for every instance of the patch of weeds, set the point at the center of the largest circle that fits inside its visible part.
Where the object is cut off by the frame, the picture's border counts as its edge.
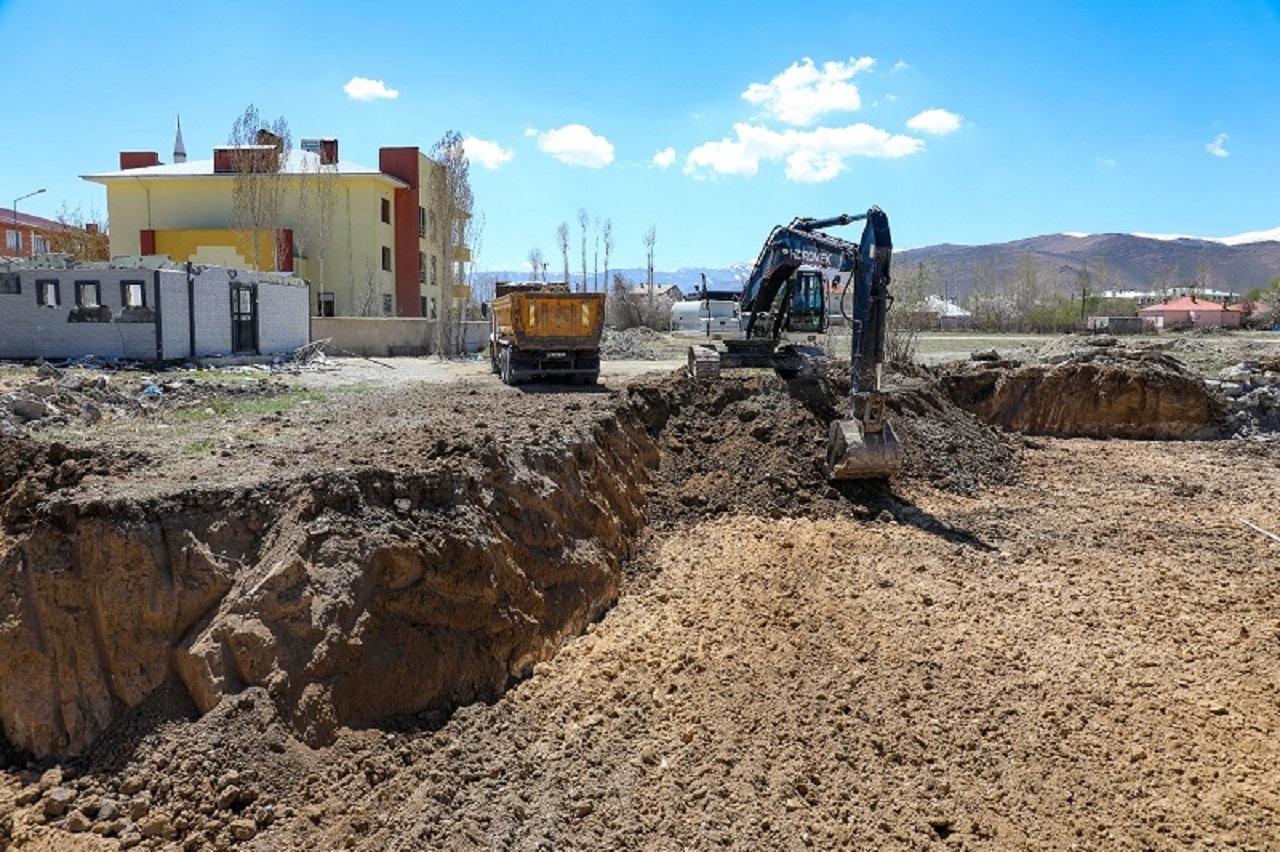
(199, 448)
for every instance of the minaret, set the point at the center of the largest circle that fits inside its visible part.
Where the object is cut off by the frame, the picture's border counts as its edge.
(179, 150)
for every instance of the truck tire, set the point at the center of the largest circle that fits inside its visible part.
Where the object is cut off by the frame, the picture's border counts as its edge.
(504, 361)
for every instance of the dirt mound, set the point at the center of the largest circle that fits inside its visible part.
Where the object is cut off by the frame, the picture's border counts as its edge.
(753, 442)
(1093, 393)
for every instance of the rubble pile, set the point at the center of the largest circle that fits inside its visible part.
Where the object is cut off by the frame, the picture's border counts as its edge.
(1252, 391)
(84, 395)
(633, 344)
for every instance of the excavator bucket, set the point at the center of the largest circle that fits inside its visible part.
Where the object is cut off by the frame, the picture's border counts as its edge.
(864, 446)
(854, 453)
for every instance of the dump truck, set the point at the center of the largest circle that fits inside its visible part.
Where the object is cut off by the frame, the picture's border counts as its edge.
(544, 330)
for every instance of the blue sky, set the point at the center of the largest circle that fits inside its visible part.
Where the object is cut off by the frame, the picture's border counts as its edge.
(967, 122)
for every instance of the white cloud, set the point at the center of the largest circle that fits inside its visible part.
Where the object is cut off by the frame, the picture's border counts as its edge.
(664, 158)
(1106, 161)
(364, 89)
(803, 92)
(811, 156)
(576, 145)
(937, 122)
(900, 65)
(1216, 146)
(490, 155)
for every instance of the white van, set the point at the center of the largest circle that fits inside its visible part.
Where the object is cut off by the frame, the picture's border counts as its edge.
(704, 318)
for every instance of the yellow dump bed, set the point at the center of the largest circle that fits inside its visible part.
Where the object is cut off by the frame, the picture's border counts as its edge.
(549, 319)
(544, 330)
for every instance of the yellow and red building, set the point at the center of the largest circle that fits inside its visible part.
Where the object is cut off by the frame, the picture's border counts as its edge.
(358, 234)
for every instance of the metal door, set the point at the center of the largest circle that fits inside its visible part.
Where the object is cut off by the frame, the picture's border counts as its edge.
(244, 318)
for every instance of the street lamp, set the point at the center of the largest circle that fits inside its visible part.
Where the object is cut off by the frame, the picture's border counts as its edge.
(15, 217)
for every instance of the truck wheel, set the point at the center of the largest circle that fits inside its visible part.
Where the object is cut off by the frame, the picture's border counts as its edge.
(493, 357)
(504, 359)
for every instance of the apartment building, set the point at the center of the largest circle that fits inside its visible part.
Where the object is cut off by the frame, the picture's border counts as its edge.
(361, 236)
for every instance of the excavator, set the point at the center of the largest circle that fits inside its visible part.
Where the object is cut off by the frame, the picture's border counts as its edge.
(787, 293)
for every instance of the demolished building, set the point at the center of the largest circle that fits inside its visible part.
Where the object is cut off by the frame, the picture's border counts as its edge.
(147, 309)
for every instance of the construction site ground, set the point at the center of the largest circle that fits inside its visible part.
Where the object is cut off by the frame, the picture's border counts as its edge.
(1021, 642)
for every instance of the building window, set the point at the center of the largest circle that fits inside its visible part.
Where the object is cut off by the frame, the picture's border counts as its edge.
(47, 294)
(133, 294)
(386, 304)
(422, 268)
(386, 259)
(434, 277)
(422, 222)
(40, 245)
(325, 306)
(422, 307)
(10, 284)
(13, 240)
(88, 294)
(433, 307)
(386, 210)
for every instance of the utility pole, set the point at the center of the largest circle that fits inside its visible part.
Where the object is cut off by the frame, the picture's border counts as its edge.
(15, 220)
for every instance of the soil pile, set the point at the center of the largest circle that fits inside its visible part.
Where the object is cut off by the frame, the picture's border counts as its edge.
(752, 442)
(1095, 393)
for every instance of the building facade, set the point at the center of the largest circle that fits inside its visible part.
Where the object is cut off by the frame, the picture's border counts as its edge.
(25, 235)
(359, 235)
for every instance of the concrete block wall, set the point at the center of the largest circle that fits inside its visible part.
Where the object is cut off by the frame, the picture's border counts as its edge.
(30, 330)
(284, 322)
(383, 337)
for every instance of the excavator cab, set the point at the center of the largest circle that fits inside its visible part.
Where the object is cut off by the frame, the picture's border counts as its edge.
(808, 314)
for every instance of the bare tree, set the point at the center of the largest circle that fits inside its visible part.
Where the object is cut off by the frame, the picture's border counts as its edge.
(259, 153)
(650, 237)
(562, 240)
(595, 261)
(536, 263)
(317, 199)
(608, 246)
(85, 238)
(1203, 282)
(452, 200)
(583, 220)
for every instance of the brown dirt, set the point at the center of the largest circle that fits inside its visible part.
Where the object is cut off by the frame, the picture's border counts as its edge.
(1021, 642)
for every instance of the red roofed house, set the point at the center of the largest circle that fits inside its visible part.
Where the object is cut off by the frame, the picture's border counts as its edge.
(1249, 308)
(24, 234)
(1190, 311)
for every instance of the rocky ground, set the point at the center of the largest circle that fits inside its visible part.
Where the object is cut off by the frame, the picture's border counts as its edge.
(1022, 641)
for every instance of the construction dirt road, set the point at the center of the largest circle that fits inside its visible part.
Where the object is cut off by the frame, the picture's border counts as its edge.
(447, 613)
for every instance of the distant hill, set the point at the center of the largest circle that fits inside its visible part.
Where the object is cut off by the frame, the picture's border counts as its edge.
(1111, 261)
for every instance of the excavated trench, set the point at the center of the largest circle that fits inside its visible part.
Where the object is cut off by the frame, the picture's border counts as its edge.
(353, 595)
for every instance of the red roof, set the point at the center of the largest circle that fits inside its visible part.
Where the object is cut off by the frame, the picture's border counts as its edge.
(1187, 303)
(26, 220)
(1251, 307)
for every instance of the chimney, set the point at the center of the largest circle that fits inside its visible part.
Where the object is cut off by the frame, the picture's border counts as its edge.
(138, 159)
(326, 149)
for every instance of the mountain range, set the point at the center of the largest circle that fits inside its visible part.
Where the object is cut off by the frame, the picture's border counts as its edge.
(1063, 263)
